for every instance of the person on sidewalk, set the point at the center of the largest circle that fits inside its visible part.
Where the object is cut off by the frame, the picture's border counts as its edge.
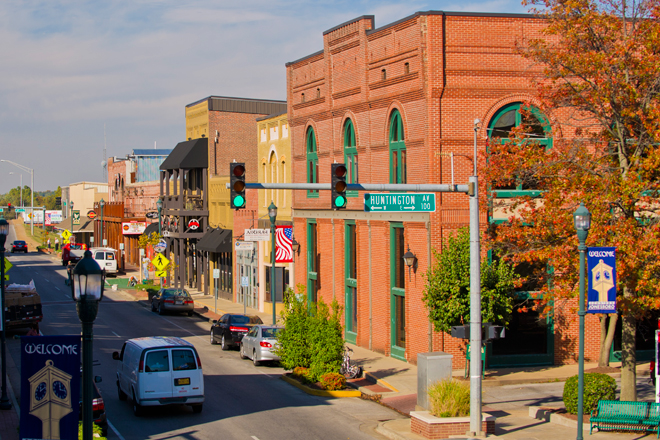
(57, 245)
(48, 243)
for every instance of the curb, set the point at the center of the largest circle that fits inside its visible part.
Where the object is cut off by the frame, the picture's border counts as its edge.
(321, 393)
(371, 378)
(539, 413)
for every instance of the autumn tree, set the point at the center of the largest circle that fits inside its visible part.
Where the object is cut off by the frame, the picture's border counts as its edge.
(600, 82)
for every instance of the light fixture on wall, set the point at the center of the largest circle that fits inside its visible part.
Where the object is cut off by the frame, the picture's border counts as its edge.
(409, 259)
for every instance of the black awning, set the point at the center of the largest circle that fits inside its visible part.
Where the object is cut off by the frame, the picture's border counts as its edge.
(153, 227)
(188, 155)
(216, 240)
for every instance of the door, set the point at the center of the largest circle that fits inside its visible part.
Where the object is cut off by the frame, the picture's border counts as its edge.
(156, 380)
(351, 290)
(186, 377)
(397, 292)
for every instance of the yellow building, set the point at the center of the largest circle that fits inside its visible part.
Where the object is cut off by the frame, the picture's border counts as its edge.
(274, 152)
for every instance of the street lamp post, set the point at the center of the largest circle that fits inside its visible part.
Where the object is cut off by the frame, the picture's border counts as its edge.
(102, 204)
(582, 221)
(4, 230)
(87, 290)
(272, 213)
(31, 171)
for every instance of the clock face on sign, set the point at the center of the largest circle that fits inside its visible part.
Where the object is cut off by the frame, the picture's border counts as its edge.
(59, 389)
(40, 392)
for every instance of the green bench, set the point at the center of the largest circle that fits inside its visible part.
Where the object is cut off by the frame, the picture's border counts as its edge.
(613, 415)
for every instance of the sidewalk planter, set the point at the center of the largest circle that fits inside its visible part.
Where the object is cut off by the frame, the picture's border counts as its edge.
(322, 393)
(429, 426)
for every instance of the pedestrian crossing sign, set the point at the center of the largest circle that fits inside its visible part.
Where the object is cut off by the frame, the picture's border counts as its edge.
(160, 262)
(66, 234)
(161, 274)
(8, 265)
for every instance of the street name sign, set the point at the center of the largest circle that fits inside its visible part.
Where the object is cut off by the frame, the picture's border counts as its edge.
(257, 235)
(160, 262)
(404, 202)
(20, 210)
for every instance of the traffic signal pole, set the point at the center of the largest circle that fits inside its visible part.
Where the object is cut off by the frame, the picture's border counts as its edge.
(408, 187)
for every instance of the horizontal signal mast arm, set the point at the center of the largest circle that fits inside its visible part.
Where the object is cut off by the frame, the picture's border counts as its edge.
(363, 187)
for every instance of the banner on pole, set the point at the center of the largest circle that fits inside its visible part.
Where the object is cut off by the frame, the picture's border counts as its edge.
(601, 294)
(284, 244)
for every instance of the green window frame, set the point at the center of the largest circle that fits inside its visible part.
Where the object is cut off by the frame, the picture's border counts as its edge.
(500, 126)
(312, 261)
(350, 281)
(350, 156)
(397, 292)
(312, 162)
(397, 149)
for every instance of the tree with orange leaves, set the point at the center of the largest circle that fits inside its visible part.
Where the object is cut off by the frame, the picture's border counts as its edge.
(600, 82)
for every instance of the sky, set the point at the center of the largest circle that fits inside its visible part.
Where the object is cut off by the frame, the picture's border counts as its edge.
(80, 76)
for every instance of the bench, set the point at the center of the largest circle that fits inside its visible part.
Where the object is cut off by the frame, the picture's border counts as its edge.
(614, 415)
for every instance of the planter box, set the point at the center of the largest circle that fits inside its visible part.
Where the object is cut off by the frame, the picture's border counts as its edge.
(428, 426)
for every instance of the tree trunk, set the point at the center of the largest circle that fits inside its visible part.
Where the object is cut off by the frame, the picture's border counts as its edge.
(628, 356)
(606, 338)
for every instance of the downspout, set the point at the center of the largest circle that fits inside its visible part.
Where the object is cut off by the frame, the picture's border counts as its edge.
(333, 258)
(428, 268)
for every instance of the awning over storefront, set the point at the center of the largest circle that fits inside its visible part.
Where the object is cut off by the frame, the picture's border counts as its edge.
(188, 155)
(86, 225)
(151, 228)
(216, 240)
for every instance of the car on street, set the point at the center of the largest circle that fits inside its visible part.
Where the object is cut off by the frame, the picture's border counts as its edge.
(172, 300)
(98, 406)
(259, 342)
(19, 246)
(230, 329)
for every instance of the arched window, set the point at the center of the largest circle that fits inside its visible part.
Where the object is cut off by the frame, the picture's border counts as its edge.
(397, 149)
(537, 131)
(312, 162)
(274, 177)
(350, 156)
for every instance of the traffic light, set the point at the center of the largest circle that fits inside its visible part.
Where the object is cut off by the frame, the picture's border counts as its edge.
(339, 186)
(58, 201)
(237, 184)
(9, 206)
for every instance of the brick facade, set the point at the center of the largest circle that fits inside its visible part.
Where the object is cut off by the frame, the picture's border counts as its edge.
(440, 71)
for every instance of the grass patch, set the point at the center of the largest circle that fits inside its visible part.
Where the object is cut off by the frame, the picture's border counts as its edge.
(450, 398)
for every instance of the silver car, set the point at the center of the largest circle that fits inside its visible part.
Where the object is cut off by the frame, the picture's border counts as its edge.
(172, 300)
(259, 343)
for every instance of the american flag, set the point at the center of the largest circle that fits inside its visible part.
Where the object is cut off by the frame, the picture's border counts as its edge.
(283, 244)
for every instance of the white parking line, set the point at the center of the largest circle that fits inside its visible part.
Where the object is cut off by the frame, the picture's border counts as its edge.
(56, 287)
(116, 334)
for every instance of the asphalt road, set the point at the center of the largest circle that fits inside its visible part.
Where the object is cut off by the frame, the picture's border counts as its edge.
(242, 401)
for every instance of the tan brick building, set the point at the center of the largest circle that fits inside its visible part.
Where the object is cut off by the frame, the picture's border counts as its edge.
(397, 105)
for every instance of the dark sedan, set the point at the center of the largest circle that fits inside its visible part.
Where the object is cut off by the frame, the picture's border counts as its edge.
(19, 246)
(172, 300)
(230, 329)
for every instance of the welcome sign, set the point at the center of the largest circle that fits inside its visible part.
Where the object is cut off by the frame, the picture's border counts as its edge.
(50, 387)
(601, 296)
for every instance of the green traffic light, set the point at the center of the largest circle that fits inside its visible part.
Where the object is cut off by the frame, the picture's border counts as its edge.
(239, 201)
(340, 202)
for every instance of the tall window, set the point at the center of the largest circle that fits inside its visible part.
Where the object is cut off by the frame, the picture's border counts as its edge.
(537, 130)
(397, 149)
(351, 290)
(397, 291)
(350, 156)
(274, 178)
(312, 162)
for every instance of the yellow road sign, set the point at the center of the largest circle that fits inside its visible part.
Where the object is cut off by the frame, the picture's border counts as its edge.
(8, 265)
(6, 277)
(161, 273)
(66, 234)
(160, 262)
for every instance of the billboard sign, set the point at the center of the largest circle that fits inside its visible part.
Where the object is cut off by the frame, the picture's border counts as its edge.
(601, 293)
(133, 228)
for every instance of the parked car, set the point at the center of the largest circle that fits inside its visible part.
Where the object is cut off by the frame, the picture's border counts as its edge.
(259, 342)
(107, 259)
(160, 370)
(172, 300)
(98, 406)
(19, 246)
(230, 329)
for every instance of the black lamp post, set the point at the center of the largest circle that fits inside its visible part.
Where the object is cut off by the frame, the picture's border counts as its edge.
(272, 213)
(87, 289)
(159, 204)
(582, 221)
(102, 204)
(4, 230)
(409, 259)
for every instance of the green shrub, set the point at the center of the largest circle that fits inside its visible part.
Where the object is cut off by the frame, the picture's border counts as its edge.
(333, 381)
(326, 340)
(292, 342)
(450, 398)
(302, 373)
(597, 386)
(96, 429)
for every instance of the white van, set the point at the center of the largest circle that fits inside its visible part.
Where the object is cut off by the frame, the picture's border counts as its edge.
(106, 257)
(160, 370)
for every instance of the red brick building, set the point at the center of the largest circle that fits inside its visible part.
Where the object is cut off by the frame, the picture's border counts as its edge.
(397, 104)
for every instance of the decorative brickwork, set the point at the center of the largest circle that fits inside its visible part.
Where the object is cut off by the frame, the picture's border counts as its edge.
(424, 424)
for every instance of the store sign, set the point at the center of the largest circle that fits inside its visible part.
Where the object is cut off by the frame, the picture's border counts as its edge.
(601, 295)
(257, 235)
(152, 215)
(91, 215)
(133, 228)
(244, 246)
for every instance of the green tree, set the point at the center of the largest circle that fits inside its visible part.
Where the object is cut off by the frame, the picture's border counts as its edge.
(447, 290)
(600, 82)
